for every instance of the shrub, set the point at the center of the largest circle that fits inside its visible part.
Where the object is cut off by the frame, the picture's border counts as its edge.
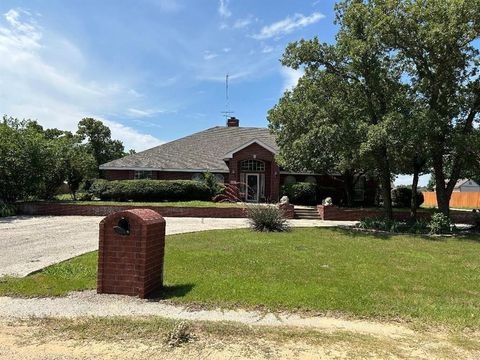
(97, 187)
(216, 187)
(150, 190)
(84, 196)
(6, 209)
(439, 224)
(266, 218)
(402, 197)
(301, 193)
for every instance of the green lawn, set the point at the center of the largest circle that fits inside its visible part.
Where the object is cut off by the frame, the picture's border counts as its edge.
(67, 199)
(429, 280)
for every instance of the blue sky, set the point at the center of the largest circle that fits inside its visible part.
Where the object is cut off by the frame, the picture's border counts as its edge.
(153, 70)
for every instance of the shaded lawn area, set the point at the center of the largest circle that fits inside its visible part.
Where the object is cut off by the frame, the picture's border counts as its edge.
(327, 270)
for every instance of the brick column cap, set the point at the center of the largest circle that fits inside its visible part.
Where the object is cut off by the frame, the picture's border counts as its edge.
(144, 216)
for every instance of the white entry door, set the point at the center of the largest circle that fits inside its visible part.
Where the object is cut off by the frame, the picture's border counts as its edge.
(253, 186)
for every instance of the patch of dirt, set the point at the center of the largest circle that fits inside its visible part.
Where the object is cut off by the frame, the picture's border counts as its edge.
(32, 340)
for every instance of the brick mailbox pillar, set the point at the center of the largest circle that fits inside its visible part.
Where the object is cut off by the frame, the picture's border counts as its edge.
(131, 253)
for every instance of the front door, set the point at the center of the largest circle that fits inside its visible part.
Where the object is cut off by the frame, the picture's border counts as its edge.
(252, 187)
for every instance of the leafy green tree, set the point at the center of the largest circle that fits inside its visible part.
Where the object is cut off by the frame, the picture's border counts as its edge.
(360, 62)
(409, 148)
(434, 42)
(23, 154)
(79, 165)
(315, 130)
(99, 141)
(34, 162)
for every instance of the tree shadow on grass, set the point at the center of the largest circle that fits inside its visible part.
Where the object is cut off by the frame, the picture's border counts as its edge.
(170, 291)
(350, 232)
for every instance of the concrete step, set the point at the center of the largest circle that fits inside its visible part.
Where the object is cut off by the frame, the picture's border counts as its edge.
(307, 213)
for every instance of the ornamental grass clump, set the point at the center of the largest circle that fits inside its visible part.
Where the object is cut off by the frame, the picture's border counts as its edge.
(267, 218)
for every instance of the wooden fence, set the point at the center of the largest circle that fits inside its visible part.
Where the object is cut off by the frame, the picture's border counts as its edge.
(458, 199)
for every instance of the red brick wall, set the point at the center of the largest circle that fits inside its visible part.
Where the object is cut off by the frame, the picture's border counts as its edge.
(272, 173)
(131, 264)
(103, 210)
(288, 210)
(355, 214)
(118, 174)
(158, 175)
(59, 209)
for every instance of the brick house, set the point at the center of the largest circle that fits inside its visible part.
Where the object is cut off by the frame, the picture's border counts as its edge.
(243, 158)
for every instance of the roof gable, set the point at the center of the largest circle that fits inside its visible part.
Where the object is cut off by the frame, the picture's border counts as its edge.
(230, 153)
(462, 182)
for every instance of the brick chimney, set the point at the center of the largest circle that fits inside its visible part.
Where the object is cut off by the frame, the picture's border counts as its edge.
(233, 122)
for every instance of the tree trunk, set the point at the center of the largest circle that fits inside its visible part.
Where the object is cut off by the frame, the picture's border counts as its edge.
(386, 194)
(443, 198)
(413, 202)
(348, 187)
(385, 182)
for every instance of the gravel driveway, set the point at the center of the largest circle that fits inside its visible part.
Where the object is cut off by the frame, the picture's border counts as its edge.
(30, 243)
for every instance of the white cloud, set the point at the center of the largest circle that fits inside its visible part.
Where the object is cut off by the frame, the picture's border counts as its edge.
(169, 5)
(267, 49)
(223, 9)
(143, 112)
(290, 77)
(33, 86)
(243, 23)
(131, 138)
(207, 55)
(288, 25)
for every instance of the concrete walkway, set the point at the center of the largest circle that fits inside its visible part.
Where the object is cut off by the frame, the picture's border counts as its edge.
(30, 243)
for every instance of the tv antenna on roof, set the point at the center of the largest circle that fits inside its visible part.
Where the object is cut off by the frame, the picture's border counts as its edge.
(227, 111)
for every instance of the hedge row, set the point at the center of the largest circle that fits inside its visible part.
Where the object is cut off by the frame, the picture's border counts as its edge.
(301, 193)
(150, 190)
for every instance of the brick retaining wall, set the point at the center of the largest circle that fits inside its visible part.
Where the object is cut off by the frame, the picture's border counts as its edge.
(357, 214)
(104, 210)
(36, 208)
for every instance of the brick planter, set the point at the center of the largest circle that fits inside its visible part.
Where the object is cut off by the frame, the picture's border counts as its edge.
(45, 208)
(288, 210)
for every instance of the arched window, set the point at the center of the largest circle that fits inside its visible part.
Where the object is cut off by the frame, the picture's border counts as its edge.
(311, 179)
(197, 177)
(220, 178)
(252, 165)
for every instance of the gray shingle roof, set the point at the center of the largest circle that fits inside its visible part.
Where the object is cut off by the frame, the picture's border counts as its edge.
(204, 150)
